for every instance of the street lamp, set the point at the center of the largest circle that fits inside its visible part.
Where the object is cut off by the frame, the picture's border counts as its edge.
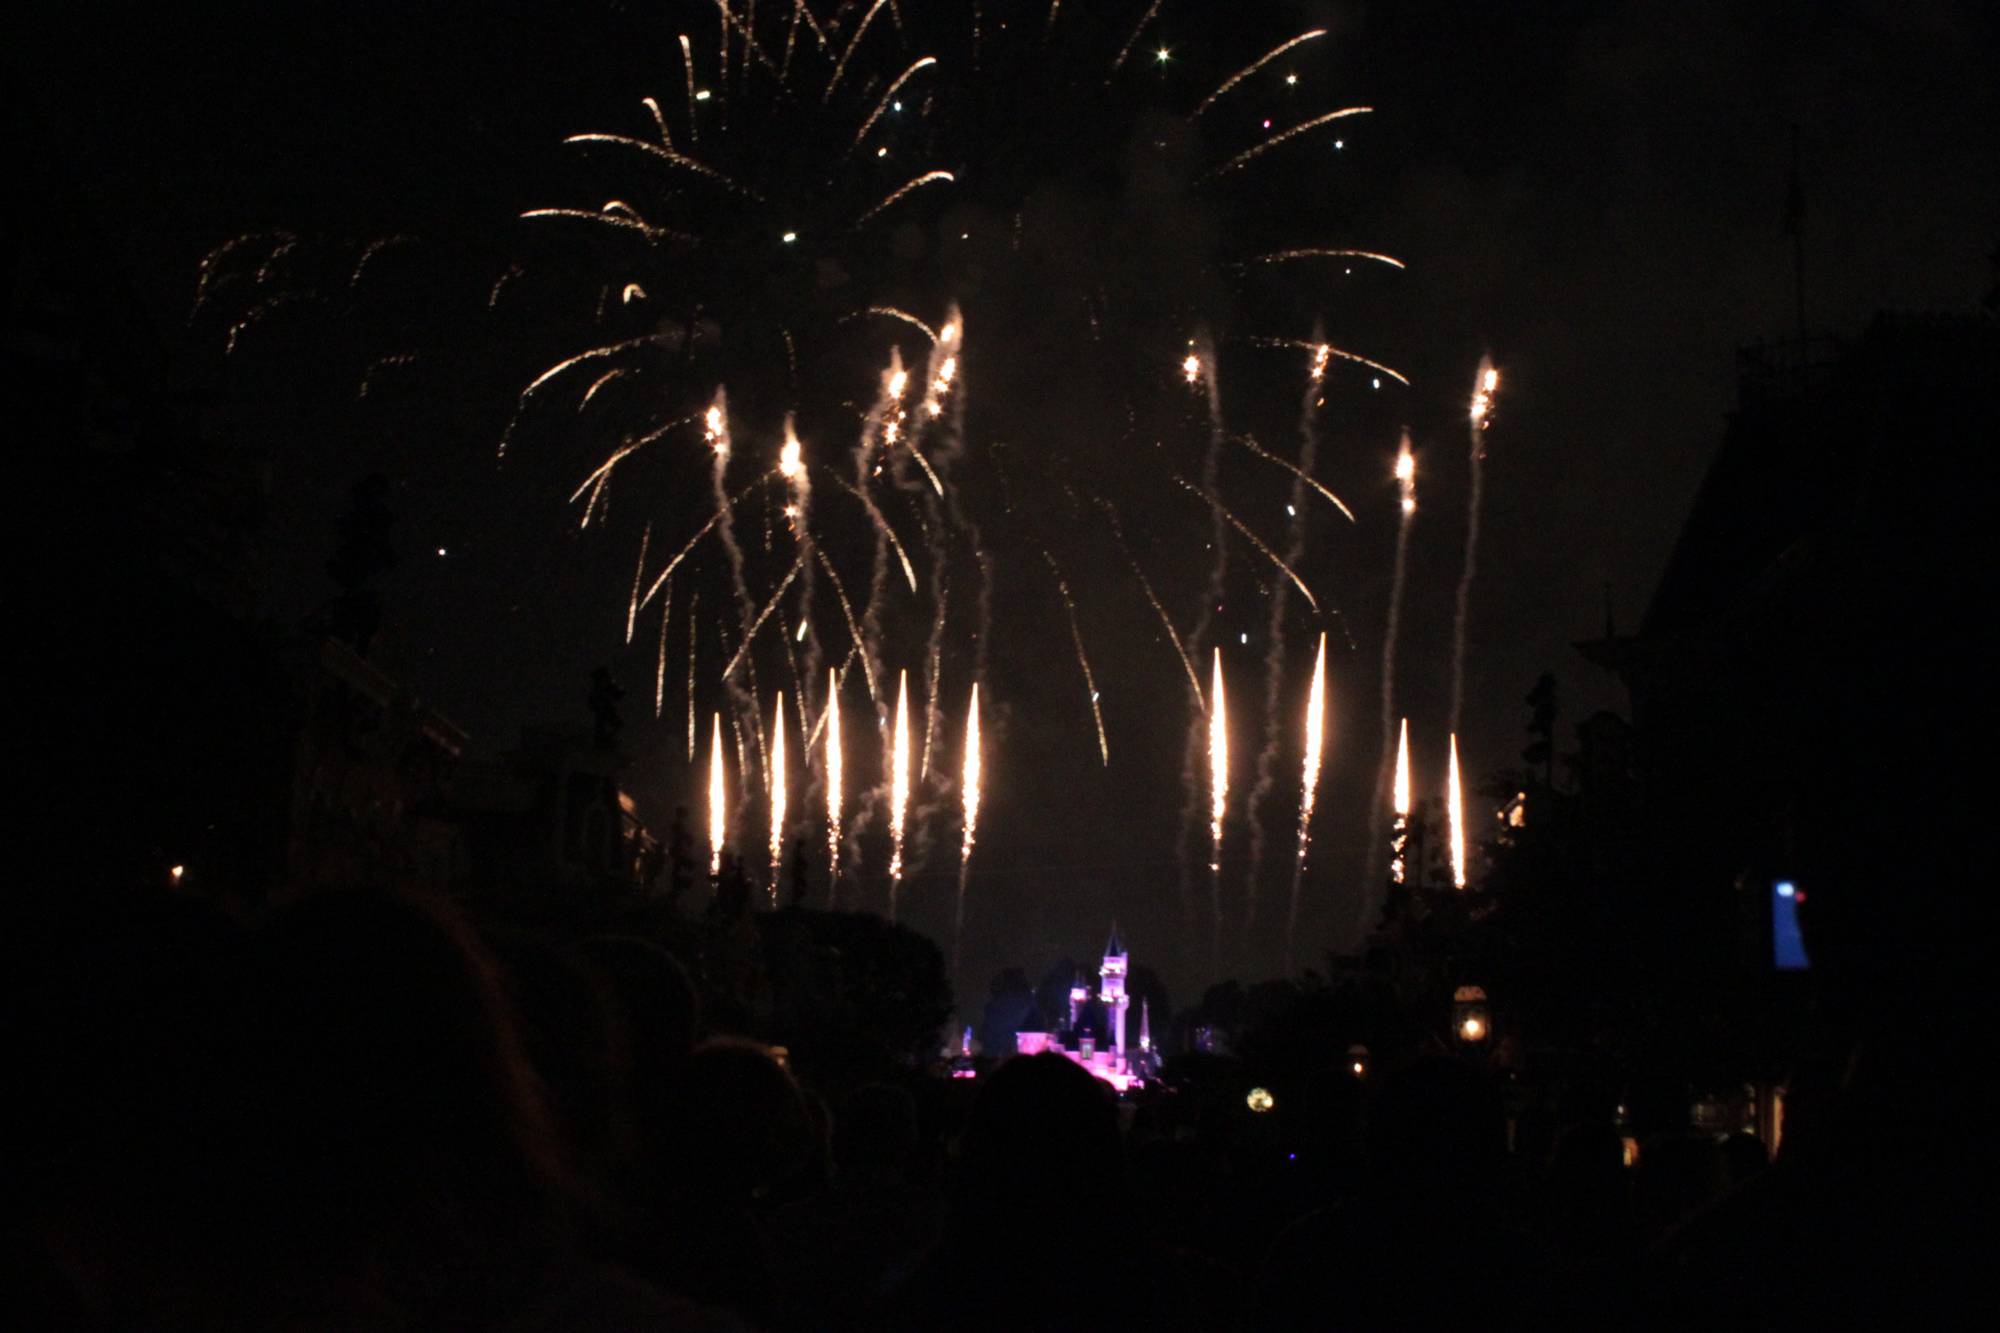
(1470, 1019)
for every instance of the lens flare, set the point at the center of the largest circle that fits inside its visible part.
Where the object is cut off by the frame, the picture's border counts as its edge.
(1455, 812)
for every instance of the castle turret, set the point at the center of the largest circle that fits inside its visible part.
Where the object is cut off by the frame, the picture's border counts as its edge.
(1111, 989)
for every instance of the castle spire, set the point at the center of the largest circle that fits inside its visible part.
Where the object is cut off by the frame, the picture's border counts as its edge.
(1115, 946)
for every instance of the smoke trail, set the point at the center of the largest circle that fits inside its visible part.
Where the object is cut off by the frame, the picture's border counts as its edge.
(1274, 652)
(660, 677)
(1406, 481)
(694, 635)
(742, 696)
(1482, 407)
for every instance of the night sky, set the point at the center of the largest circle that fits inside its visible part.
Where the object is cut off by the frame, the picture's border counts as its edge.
(1593, 194)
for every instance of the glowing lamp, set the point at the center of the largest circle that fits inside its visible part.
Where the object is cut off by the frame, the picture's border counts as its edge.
(1260, 1100)
(1470, 1019)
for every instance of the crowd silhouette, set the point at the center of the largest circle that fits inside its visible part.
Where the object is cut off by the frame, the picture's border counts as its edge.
(360, 1113)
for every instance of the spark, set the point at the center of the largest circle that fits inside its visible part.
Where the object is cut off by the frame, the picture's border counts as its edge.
(1252, 538)
(718, 826)
(1406, 482)
(1455, 812)
(758, 622)
(694, 627)
(1218, 767)
(1483, 390)
(1315, 252)
(632, 608)
(660, 677)
(671, 158)
(853, 629)
(928, 178)
(791, 459)
(1251, 154)
(888, 97)
(969, 791)
(1484, 386)
(687, 64)
(830, 719)
(567, 364)
(891, 312)
(1082, 660)
(1248, 443)
(899, 790)
(1309, 785)
(628, 221)
(1146, 18)
(609, 376)
(1256, 65)
(840, 66)
(1191, 367)
(1153, 600)
(1321, 350)
(777, 794)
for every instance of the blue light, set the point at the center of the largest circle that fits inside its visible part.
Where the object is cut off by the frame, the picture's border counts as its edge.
(1788, 945)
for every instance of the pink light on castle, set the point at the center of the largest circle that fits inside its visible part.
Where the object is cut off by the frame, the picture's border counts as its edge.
(1112, 1062)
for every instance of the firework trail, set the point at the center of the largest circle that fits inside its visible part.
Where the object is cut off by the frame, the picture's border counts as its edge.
(969, 792)
(933, 661)
(899, 791)
(1406, 484)
(715, 432)
(660, 676)
(1298, 473)
(860, 648)
(1399, 844)
(1455, 812)
(1308, 787)
(742, 649)
(1251, 154)
(1274, 652)
(1254, 66)
(1223, 512)
(1153, 600)
(1322, 252)
(1322, 350)
(718, 817)
(831, 720)
(1082, 659)
(1198, 367)
(694, 635)
(778, 795)
(1218, 799)
(1483, 390)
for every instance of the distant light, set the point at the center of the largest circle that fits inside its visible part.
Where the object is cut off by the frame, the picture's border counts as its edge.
(1375, 383)
(1358, 1068)
(701, 96)
(1267, 124)
(1163, 53)
(1290, 510)
(896, 106)
(1787, 889)
(881, 152)
(1340, 143)
(1473, 1028)
(790, 236)
(1291, 80)
(441, 552)
(176, 873)
(1260, 1100)
(1243, 638)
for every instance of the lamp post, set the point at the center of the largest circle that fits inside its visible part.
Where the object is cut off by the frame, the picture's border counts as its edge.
(1471, 1020)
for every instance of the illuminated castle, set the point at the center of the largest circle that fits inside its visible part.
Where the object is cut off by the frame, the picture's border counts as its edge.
(1113, 1063)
